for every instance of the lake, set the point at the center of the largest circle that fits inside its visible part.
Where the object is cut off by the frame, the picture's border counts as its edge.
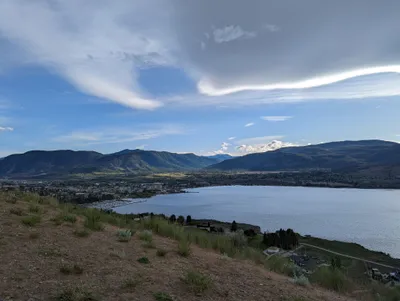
(370, 217)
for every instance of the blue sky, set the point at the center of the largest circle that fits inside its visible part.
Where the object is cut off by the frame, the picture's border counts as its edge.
(89, 78)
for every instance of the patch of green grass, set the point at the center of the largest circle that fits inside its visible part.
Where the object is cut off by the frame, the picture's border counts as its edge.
(184, 248)
(31, 220)
(33, 235)
(162, 297)
(146, 235)
(197, 282)
(34, 208)
(17, 211)
(161, 252)
(124, 235)
(333, 279)
(143, 260)
(81, 233)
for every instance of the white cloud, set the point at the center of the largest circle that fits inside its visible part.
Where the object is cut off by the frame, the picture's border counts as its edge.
(6, 129)
(223, 149)
(249, 124)
(231, 138)
(117, 135)
(231, 33)
(275, 118)
(263, 147)
(101, 46)
(259, 140)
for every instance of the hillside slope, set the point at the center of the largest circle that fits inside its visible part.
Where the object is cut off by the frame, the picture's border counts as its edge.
(34, 163)
(53, 260)
(335, 156)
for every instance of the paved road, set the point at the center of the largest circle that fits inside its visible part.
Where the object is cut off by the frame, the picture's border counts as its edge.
(348, 256)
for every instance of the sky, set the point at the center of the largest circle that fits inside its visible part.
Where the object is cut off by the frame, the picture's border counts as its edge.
(208, 77)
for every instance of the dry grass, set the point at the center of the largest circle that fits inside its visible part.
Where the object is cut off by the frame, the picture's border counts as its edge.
(43, 268)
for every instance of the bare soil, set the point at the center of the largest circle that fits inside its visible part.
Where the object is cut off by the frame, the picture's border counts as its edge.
(31, 258)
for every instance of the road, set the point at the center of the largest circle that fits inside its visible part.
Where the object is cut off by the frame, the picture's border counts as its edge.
(351, 257)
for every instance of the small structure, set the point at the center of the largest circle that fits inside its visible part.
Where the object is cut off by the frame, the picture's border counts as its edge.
(271, 251)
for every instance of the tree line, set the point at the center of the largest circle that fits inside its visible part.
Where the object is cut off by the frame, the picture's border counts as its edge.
(285, 239)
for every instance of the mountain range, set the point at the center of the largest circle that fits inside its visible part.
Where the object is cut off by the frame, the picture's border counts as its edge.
(344, 156)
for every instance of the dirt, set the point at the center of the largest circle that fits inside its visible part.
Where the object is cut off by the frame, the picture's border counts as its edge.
(30, 267)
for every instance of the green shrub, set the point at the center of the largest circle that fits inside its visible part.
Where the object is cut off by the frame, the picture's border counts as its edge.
(124, 235)
(93, 219)
(146, 235)
(329, 278)
(143, 260)
(161, 252)
(16, 211)
(81, 233)
(184, 248)
(162, 297)
(70, 218)
(34, 208)
(301, 280)
(31, 221)
(197, 282)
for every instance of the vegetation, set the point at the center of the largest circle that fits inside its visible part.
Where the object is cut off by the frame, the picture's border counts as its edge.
(34, 208)
(146, 235)
(184, 247)
(234, 226)
(331, 278)
(188, 219)
(67, 270)
(161, 252)
(130, 283)
(283, 239)
(181, 220)
(143, 260)
(31, 220)
(197, 282)
(124, 235)
(162, 297)
(16, 211)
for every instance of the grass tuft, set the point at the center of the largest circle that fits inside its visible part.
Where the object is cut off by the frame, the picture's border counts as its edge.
(161, 252)
(70, 218)
(162, 297)
(17, 211)
(197, 282)
(31, 220)
(146, 235)
(143, 260)
(124, 235)
(130, 283)
(93, 219)
(34, 208)
(184, 248)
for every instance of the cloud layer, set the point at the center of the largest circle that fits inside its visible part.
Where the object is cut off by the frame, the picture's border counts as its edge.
(259, 52)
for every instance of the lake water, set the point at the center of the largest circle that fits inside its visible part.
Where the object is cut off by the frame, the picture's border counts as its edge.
(368, 217)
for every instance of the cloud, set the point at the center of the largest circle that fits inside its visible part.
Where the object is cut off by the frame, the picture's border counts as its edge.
(231, 138)
(116, 135)
(101, 47)
(259, 140)
(275, 118)
(231, 33)
(6, 129)
(249, 124)
(260, 148)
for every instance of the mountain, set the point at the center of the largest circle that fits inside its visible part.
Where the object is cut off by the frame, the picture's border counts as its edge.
(221, 157)
(336, 156)
(34, 163)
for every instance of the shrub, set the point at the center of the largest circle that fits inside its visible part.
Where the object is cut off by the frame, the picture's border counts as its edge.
(130, 283)
(118, 254)
(16, 211)
(238, 239)
(329, 278)
(70, 218)
(181, 220)
(162, 297)
(280, 265)
(143, 260)
(93, 220)
(81, 232)
(31, 221)
(197, 282)
(146, 235)
(34, 208)
(184, 248)
(188, 220)
(124, 235)
(301, 280)
(161, 252)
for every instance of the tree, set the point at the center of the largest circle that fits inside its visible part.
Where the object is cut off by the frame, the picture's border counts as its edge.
(188, 220)
(250, 233)
(172, 218)
(234, 226)
(181, 219)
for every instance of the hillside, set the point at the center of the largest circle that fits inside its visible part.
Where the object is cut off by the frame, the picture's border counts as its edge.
(344, 156)
(64, 253)
(35, 163)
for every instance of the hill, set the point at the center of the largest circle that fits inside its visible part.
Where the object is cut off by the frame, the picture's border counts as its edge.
(35, 163)
(66, 253)
(343, 156)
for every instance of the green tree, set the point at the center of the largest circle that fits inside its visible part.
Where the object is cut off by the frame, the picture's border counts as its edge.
(172, 218)
(188, 220)
(181, 219)
(234, 226)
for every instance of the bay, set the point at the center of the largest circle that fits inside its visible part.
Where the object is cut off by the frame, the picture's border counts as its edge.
(370, 217)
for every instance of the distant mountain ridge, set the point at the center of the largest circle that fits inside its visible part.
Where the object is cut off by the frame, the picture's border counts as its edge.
(66, 161)
(342, 156)
(221, 157)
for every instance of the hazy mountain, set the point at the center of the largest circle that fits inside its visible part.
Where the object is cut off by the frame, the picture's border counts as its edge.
(221, 157)
(66, 161)
(336, 156)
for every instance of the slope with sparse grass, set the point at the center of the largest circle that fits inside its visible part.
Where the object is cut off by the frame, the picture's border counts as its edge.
(80, 258)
